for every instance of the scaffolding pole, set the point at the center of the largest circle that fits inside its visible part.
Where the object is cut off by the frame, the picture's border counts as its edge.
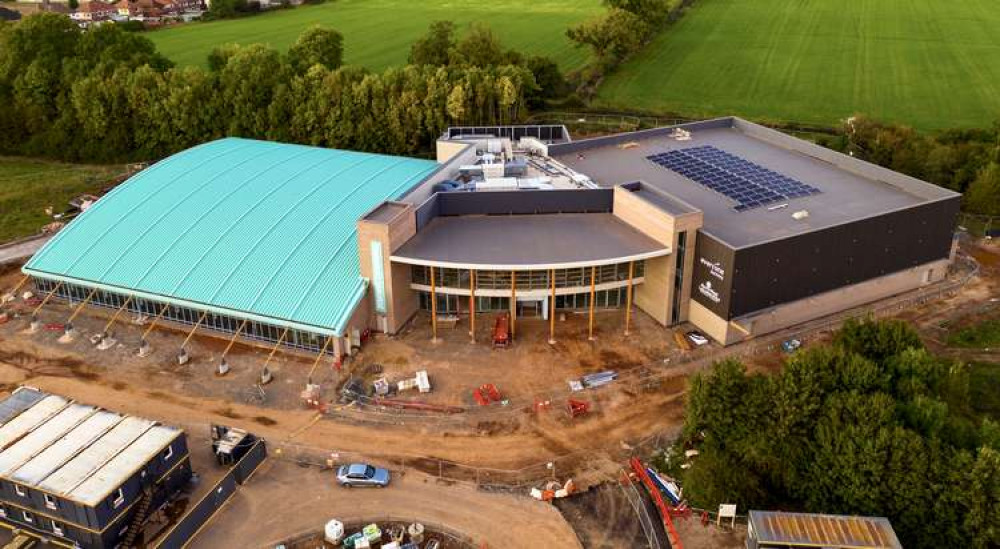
(513, 304)
(46, 300)
(193, 330)
(319, 357)
(115, 316)
(232, 340)
(80, 306)
(593, 287)
(434, 308)
(472, 304)
(628, 299)
(552, 309)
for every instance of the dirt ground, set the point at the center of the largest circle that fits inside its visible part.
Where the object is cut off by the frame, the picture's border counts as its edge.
(190, 396)
(603, 518)
(309, 498)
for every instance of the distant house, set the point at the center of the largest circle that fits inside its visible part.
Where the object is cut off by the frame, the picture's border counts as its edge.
(780, 530)
(92, 12)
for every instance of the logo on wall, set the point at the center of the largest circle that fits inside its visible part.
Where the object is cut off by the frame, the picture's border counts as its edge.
(708, 291)
(714, 268)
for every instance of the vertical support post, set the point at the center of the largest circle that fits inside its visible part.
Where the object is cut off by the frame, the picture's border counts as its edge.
(472, 304)
(513, 304)
(434, 307)
(628, 299)
(552, 309)
(593, 287)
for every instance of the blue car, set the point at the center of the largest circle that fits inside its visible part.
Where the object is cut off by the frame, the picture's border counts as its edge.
(362, 474)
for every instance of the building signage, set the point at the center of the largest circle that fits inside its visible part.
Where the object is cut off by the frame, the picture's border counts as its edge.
(708, 291)
(715, 268)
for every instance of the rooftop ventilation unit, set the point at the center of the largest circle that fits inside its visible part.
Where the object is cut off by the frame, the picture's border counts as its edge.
(681, 135)
(800, 215)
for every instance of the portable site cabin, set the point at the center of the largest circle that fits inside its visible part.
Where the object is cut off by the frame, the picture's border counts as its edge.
(80, 476)
(776, 529)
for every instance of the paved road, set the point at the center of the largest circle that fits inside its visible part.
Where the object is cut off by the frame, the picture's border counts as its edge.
(22, 250)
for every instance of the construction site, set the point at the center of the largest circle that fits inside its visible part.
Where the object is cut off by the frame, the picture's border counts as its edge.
(529, 376)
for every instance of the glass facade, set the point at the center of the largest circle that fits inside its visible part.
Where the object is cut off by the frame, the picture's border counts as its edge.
(526, 280)
(675, 306)
(257, 331)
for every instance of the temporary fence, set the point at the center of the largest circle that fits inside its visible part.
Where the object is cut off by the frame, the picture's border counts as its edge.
(980, 225)
(198, 516)
(638, 504)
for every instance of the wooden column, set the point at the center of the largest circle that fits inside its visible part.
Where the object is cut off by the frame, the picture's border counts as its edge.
(434, 307)
(628, 299)
(513, 304)
(115, 317)
(46, 300)
(472, 304)
(153, 323)
(593, 288)
(552, 309)
(193, 330)
(232, 340)
(80, 306)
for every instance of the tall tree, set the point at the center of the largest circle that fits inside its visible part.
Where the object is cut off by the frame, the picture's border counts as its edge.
(317, 46)
(983, 196)
(434, 47)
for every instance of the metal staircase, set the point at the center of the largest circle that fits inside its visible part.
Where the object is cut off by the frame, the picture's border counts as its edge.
(139, 518)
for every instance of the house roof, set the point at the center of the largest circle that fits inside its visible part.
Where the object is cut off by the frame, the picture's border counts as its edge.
(251, 229)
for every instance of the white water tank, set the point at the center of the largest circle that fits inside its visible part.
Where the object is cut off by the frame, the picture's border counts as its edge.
(334, 532)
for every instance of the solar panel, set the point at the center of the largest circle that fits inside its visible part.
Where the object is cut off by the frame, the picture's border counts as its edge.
(749, 185)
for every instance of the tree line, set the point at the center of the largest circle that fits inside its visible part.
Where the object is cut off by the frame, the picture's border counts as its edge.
(963, 160)
(105, 95)
(618, 33)
(871, 424)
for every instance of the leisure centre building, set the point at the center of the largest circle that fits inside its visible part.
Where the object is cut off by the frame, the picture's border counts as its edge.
(736, 228)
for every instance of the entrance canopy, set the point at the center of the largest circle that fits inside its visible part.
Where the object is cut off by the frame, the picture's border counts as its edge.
(528, 242)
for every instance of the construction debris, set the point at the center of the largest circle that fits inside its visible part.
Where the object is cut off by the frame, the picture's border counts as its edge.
(577, 408)
(420, 381)
(553, 490)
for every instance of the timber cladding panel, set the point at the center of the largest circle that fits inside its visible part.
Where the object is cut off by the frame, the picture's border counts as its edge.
(644, 217)
(793, 268)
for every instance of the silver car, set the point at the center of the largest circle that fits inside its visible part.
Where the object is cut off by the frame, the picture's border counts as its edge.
(362, 474)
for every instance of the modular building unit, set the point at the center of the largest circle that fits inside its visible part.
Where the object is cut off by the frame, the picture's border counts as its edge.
(780, 530)
(77, 475)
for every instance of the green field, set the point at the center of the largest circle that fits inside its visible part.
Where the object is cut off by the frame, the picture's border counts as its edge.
(928, 63)
(27, 187)
(378, 33)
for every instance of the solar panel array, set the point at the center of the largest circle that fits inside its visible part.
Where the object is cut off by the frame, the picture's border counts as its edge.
(749, 184)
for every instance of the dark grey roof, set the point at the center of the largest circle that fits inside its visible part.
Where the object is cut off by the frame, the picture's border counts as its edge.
(850, 189)
(527, 241)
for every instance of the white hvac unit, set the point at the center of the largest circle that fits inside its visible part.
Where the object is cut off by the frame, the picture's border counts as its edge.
(800, 215)
(493, 171)
(497, 184)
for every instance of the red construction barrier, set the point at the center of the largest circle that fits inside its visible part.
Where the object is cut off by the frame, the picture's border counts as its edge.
(640, 470)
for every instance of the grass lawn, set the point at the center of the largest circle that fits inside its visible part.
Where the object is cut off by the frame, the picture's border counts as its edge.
(927, 63)
(379, 33)
(981, 335)
(27, 187)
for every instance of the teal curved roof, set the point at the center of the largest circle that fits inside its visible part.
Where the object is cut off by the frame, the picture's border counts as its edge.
(255, 229)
